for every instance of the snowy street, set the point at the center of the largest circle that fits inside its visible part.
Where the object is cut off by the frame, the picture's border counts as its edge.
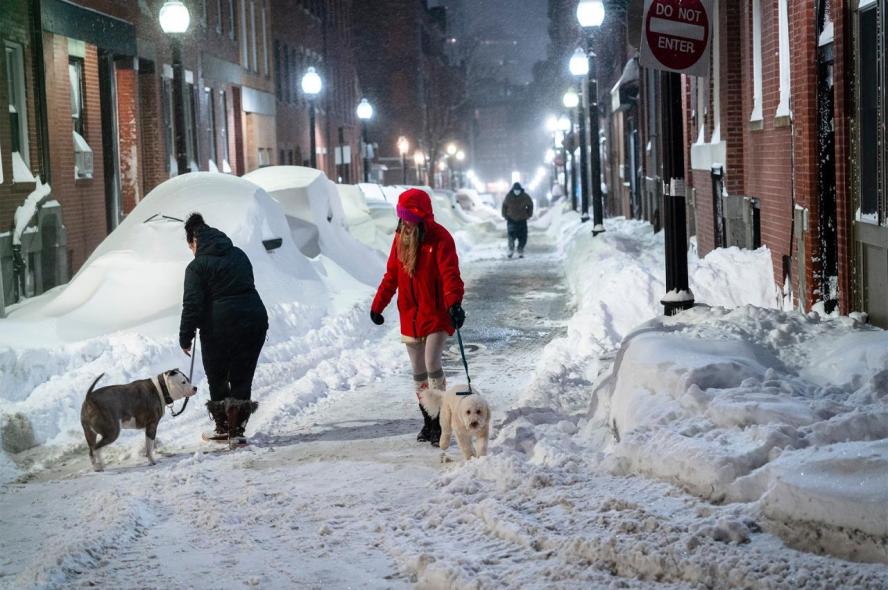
(340, 495)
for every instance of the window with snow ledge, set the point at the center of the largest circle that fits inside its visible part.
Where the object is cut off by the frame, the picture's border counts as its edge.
(18, 114)
(783, 109)
(704, 155)
(83, 158)
(756, 61)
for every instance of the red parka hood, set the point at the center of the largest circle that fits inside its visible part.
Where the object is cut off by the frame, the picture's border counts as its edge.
(415, 204)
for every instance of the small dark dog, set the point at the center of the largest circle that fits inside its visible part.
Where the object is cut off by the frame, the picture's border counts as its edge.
(138, 405)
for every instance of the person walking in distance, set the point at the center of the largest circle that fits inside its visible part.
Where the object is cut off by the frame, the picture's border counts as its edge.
(222, 302)
(517, 209)
(423, 268)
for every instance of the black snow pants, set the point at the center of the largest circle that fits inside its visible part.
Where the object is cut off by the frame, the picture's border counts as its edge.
(517, 231)
(230, 363)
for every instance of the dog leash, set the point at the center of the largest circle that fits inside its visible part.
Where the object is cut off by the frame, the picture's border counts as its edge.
(190, 374)
(462, 352)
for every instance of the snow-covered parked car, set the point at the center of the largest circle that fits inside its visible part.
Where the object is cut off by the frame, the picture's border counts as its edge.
(318, 222)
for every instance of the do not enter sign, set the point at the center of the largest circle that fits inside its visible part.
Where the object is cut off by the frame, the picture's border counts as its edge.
(677, 35)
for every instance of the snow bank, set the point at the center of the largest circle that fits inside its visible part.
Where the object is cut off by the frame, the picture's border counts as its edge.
(119, 316)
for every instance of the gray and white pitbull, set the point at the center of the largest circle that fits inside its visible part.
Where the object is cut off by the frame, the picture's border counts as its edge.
(137, 405)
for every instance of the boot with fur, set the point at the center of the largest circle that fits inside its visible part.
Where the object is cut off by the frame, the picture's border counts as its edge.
(218, 414)
(245, 409)
(439, 383)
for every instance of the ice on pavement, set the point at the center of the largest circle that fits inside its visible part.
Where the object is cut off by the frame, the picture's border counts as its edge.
(733, 445)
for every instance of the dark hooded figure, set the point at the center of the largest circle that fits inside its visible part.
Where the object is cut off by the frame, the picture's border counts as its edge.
(517, 209)
(222, 302)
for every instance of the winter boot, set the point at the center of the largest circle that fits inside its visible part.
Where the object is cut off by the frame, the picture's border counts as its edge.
(422, 383)
(439, 382)
(218, 414)
(425, 435)
(238, 412)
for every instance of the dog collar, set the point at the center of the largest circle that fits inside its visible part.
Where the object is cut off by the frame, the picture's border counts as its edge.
(465, 393)
(164, 392)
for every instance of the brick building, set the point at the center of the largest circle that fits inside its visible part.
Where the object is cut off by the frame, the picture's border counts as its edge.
(405, 71)
(319, 35)
(783, 142)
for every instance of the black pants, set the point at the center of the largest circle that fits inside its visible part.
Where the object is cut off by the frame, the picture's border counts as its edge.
(517, 231)
(230, 364)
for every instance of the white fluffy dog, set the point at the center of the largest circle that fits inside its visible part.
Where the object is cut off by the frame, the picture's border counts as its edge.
(461, 413)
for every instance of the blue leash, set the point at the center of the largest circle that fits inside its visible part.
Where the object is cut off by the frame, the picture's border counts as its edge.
(462, 352)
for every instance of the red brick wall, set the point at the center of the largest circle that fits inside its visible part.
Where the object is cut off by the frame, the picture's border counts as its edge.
(128, 129)
(83, 201)
(843, 109)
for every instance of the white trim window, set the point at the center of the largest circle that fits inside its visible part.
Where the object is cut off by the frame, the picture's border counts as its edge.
(232, 19)
(716, 74)
(18, 113)
(218, 17)
(83, 154)
(756, 61)
(785, 90)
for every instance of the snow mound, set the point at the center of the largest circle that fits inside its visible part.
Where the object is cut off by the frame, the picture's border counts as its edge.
(317, 219)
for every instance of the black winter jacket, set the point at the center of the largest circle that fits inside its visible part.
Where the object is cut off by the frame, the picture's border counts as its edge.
(220, 297)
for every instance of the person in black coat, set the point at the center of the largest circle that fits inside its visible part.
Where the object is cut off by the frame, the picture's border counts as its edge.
(221, 301)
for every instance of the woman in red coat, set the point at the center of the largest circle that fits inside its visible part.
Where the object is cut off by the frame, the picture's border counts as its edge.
(424, 269)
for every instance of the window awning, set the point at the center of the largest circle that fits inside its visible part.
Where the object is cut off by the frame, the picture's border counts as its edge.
(624, 94)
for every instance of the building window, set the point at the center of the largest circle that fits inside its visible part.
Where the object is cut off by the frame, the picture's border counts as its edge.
(203, 13)
(169, 133)
(232, 19)
(756, 61)
(218, 17)
(18, 115)
(264, 157)
(286, 75)
(190, 135)
(211, 130)
(83, 154)
(783, 24)
(226, 165)
(278, 74)
(245, 47)
(716, 74)
(868, 113)
(265, 39)
(254, 53)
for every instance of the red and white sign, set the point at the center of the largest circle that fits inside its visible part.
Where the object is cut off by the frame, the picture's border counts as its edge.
(677, 36)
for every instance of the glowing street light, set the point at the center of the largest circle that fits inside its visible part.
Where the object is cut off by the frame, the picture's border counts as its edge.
(174, 21)
(579, 63)
(419, 159)
(365, 113)
(311, 87)
(403, 148)
(590, 13)
(451, 149)
(571, 99)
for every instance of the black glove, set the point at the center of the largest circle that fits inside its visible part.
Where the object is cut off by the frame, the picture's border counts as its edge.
(377, 318)
(457, 315)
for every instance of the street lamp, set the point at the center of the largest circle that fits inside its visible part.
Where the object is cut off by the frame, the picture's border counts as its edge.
(311, 87)
(403, 148)
(174, 21)
(460, 158)
(419, 160)
(590, 14)
(365, 113)
(579, 67)
(571, 99)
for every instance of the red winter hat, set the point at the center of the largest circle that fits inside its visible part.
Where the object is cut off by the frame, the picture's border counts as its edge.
(415, 206)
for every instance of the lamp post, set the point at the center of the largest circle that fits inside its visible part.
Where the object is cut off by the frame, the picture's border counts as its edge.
(419, 160)
(571, 102)
(564, 127)
(365, 113)
(174, 21)
(460, 158)
(579, 67)
(403, 148)
(451, 151)
(442, 168)
(311, 86)
(590, 14)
